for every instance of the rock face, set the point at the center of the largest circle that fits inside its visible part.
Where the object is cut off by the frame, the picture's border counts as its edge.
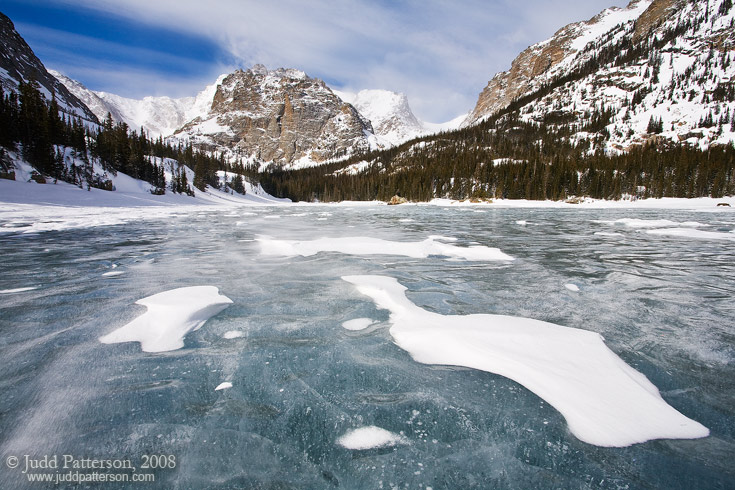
(538, 63)
(653, 16)
(19, 63)
(281, 116)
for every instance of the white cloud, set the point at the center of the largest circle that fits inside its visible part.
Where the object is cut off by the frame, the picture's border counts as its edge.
(440, 53)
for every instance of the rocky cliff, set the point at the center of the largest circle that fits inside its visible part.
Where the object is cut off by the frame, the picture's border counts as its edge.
(281, 116)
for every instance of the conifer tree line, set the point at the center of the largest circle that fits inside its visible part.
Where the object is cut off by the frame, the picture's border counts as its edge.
(504, 157)
(33, 126)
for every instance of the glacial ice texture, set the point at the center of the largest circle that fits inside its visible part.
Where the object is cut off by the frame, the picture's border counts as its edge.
(301, 381)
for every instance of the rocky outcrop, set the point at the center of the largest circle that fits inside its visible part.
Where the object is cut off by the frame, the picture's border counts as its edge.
(279, 116)
(653, 17)
(19, 63)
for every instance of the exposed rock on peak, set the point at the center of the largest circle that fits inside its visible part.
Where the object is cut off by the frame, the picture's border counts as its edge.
(282, 116)
(654, 16)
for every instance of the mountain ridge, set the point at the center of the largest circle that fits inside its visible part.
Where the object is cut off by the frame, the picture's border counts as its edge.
(18, 63)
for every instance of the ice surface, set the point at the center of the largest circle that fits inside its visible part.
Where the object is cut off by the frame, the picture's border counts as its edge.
(358, 323)
(377, 246)
(223, 386)
(170, 316)
(604, 401)
(370, 437)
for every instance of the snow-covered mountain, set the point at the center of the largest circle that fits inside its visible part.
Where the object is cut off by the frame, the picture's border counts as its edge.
(19, 63)
(241, 114)
(159, 116)
(656, 70)
(392, 118)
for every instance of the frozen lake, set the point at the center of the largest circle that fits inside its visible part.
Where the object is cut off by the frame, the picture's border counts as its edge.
(301, 382)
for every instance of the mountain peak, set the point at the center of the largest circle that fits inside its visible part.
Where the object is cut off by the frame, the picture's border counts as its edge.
(18, 64)
(281, 116)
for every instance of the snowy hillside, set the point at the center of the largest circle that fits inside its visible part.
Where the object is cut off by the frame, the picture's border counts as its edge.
(30, 187)
(159, 116)
(655, 71)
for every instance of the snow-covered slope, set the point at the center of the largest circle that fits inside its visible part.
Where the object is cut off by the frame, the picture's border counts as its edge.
(657, 71)
(392, 119)
(127, 192)
(391, 116)
(159, 116)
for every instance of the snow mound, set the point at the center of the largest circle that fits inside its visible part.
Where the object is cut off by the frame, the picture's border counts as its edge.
(170, 316)
(604, 401)
(370, 437)
(572, 287)
(377, 246)
(223, 386)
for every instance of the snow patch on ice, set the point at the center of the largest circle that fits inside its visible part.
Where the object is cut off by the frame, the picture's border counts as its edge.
(358, 323)
(651, 223)
(693, 233)
(376, 246)
(17, 290)
(170, 316)
(604, 401)
(113, 273)
(370, 437)
(233, 334)
(572, 287)
(223, 386)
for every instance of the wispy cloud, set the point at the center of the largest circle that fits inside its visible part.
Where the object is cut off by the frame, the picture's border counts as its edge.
(118, 68)
(440, 53)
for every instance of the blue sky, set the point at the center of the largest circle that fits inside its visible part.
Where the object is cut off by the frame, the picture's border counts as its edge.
(440, 53)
